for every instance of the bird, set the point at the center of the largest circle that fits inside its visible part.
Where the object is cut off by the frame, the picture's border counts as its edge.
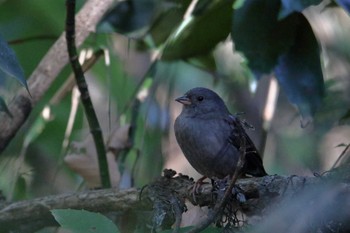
(211, 137)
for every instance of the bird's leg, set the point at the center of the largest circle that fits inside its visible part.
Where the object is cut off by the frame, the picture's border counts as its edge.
(221, 203)
(219, 187)
(196, 186)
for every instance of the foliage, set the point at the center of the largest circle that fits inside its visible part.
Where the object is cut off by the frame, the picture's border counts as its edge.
(9, 65)
(81, 221)
(9, 68)
(157, 49)
(273, 40)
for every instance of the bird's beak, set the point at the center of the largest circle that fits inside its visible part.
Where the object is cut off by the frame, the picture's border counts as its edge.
(183, 100)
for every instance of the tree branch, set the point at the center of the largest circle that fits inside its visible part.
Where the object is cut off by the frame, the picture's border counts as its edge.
(90, 113)
(48, 69)
(31, 215)
(262, 196)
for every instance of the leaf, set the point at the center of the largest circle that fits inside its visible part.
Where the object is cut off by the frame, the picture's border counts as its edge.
(82, 221)
(200, 33)
(9, 64)
(260, 36)
(287, 46)
(166, 21)
(181, 230)
(19, 192)
(128, 16)
(186, 229)
(238, 3)
(38, 126)
(299, 70)
(290, 6)
(206, 62)
(4, 108)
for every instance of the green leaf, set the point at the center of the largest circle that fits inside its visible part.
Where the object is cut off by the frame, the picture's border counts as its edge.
(186, 229)
(201, 32)
(299, 70)
(166, 21)
(4, 108)
(82, 221)
(237, 4)
(37, 127)
(206, 62)
(20, 189)
(9, 65)
(288, 47)
(181, 230)
(260, 36)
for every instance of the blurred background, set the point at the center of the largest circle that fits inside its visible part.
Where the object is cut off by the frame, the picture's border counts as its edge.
(133, 92)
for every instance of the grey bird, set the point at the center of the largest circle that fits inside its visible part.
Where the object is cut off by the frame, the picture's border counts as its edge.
(210, 137)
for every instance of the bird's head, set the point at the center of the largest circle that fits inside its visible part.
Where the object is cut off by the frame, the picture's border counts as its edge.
(202, 101)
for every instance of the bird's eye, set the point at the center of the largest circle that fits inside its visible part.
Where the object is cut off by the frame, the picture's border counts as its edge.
(200, 98)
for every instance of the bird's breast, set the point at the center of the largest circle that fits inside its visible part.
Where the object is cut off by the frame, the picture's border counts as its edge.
(205, 144)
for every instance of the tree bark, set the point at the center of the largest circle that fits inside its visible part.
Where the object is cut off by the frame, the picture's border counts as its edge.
(48, 69)
(259, 197)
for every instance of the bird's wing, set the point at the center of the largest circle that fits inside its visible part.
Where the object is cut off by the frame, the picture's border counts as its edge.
(239, 138)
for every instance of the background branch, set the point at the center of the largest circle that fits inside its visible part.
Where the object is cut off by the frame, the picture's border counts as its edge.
(48, 69)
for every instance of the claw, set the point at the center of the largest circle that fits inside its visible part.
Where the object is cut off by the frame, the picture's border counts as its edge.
(196, 186)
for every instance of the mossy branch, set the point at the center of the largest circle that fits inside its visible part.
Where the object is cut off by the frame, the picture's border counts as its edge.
(270, 198)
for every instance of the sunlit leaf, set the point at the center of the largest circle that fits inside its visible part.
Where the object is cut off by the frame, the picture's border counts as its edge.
(299, 70)
(9, 64)
(238, 3)
(82, 221)
(290, 6)
(201, 32)
(37, 127)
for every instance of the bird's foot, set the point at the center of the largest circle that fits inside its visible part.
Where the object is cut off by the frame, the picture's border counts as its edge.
(196, 186)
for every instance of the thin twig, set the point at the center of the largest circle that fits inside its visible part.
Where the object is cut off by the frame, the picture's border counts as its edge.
(219, 205)
(94, 125)
(341, 156)
(32, 38)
